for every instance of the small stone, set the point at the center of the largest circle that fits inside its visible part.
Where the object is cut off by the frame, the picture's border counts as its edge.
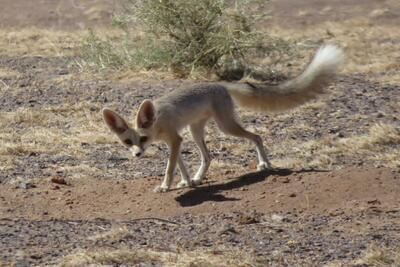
(26, 185)
(292, 195)
(247, 220)
(59, 180)
(36, 257)
(63, 72)
(374, 201)
(227, 230)
(276, 218)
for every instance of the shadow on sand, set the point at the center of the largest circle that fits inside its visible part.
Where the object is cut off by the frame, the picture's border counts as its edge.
(212, 192)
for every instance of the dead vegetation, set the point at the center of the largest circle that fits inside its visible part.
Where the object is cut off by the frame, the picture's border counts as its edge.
(376, 256)
(221, 256)
(40, 133)
(379, 146)
(39, 42)
(215, 257)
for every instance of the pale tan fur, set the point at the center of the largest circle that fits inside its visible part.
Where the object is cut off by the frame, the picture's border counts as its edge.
(164, 118)
(309, 85)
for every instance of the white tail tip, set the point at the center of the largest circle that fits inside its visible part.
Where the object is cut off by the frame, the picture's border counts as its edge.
(329, 56)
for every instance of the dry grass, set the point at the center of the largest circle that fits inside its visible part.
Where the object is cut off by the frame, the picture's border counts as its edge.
(43, 42)
(8, 73)
(115, 234)
(379, 145)
(40, 132)
(135, 257)
(370, 48)
(377, 256)
(38, 42)
(374, 256)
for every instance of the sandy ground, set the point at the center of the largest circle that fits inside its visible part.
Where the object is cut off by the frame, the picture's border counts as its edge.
(56, 203)
(347, 191)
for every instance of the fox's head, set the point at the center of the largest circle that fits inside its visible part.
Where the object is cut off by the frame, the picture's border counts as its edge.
(138, 138)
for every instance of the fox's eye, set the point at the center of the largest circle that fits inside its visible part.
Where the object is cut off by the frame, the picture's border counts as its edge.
(143, 139)
(128, 142)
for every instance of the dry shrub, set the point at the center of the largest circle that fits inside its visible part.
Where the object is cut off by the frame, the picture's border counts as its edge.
(185, 37)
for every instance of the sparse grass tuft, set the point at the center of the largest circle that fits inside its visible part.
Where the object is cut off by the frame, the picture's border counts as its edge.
(114, 234)
(101, 53)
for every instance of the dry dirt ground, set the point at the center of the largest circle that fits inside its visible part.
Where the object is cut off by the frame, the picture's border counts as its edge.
(71, 195)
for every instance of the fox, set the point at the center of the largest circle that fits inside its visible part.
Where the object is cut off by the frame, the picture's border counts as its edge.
(163, 119)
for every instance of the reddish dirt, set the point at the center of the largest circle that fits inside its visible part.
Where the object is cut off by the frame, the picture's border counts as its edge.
(300, 192)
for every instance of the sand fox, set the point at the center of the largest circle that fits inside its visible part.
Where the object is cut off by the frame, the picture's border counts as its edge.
(164, 118)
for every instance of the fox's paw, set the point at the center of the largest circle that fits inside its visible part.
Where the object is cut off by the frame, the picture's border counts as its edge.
(183, 184)
(263, 166)
(196, 182)
(161, 189)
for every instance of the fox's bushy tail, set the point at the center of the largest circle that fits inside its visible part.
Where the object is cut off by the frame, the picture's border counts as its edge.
(308, 85)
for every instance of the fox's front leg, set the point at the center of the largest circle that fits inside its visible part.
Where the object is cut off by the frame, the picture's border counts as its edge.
(174, 149)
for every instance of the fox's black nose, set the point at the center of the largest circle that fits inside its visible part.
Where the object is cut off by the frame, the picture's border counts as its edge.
(138, 154)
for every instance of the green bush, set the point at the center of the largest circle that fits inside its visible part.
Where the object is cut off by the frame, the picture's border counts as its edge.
(183, 36)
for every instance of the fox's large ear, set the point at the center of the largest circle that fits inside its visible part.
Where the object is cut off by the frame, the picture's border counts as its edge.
(114, 121)
(146, 113)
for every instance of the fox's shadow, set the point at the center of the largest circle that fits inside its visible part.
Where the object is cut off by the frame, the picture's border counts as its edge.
(212, 192)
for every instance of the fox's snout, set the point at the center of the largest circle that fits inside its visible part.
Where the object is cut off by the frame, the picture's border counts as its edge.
(137, 152)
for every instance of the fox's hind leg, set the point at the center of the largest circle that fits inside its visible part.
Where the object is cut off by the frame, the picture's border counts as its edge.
(227, 123)
(197, 131)
(185, 179)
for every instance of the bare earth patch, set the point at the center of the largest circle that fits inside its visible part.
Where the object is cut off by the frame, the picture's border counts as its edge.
(70, 195)
(350, 190)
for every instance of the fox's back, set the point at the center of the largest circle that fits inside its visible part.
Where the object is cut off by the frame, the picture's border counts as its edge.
(185, 106)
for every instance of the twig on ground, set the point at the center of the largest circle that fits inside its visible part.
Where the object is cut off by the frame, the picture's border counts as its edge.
(5, 85)
(151, 219)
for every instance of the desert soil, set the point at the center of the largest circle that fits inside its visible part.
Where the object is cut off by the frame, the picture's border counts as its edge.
(286, 217)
